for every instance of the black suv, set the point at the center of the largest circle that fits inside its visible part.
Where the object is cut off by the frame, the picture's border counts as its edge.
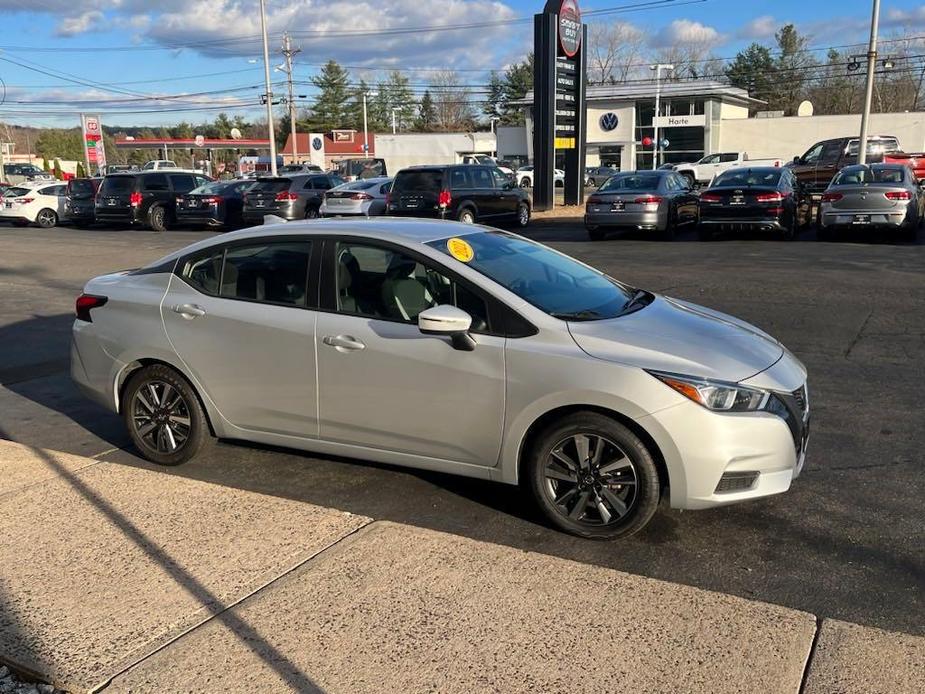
(467, 193)
(79, 206)
(297, 196)
(145, 198)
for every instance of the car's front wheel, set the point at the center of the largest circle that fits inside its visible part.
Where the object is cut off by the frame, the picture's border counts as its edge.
(466, 216)
(312, 213)
(525, 182)
(164, 417)
(523, 215)
(593, 477)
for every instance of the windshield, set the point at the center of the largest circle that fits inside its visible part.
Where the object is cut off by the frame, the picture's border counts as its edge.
(117, 184)
(631, 182)
(747, 177)
(81, 188)
(418, 182)
(863, 176)
(554, 283)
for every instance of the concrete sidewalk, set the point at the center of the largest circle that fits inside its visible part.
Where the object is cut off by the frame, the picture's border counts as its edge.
(130, 579)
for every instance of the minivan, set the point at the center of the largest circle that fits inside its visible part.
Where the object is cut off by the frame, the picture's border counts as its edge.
(146, 198)
(79, 203)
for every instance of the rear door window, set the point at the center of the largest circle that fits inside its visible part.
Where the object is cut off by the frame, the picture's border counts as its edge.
(81, 188)
(115, 185)
(481, 178)
(274, 273)
(271, 185)
(182, 183)
(418, 182)
(460, 179)
(155, 183)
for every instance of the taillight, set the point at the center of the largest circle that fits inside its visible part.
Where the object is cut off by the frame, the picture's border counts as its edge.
(444, 199)
(831, 197)
(769, 197)
(710, 197)
(898, 195)
(648, 200)
(85, 302)
(26, 200)
(212, 199)
(286, 196)
(595, 200)
(134, 199)
(361, 196)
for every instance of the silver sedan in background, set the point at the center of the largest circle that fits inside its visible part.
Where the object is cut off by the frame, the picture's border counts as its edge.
(658, 201)
(885, 197)
(365, 197)
(449, 347)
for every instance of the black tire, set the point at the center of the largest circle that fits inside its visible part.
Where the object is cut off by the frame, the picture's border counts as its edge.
(789, 232)
(690, 179)
(523, 215)
(671, 225)
(466, 215)
(592, 183)
(157, 218)
(525, 182)
(46, 218)
(135, 414)
(312, 212)
(595, 233)
(634, 484)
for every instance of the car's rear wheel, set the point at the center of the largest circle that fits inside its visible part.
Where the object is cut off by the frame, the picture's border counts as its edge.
(312, 213)
(466, 216)
(157, 218)
(46, 218)
(671, 225)
(690, 179)
(164, 417)
(593, 477)
(525, 182)
(523, 215)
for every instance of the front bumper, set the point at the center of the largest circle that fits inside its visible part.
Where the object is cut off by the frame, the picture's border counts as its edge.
(705, 450)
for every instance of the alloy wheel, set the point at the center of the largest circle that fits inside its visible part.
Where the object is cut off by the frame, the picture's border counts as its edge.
(46, 218)
(591, 480)
(161, 417)
(523, 215)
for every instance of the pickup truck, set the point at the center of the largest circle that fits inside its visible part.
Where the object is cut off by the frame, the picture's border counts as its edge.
(914, 159)
(818, 166)
(22, 173)
(704, 170)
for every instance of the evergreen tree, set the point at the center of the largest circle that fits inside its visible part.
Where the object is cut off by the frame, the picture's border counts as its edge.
(58, 173)
(80, 170)
(753, 70)
(518, 80)
(330, 109)
(427, 114)
(354, 116)
(44, 163)
(494, 103)
(401, 99)
(791, 67)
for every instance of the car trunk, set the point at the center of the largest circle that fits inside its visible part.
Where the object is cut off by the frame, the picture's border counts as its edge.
(867, 198)
(116, 193)
(263, 196)
(628, 201)
(741, 202)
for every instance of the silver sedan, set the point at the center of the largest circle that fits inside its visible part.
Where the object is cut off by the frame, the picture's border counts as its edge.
(448, 347)
(365, 197)
(886, 197)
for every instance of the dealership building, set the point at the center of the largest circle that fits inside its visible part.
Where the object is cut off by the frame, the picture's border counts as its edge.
(699, 118)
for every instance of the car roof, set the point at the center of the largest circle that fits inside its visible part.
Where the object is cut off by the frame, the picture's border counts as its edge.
(758, 169)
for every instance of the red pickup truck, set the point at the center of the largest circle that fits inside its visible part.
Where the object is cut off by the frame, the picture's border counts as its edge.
(916, 160)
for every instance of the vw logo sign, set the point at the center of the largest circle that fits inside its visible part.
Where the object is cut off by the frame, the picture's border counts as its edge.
(317, 144)
(609, 121)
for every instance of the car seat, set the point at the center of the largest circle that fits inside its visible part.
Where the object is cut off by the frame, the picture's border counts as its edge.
(403, 296)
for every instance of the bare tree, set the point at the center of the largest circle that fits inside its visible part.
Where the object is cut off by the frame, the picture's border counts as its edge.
(452, 102)
(614, 52)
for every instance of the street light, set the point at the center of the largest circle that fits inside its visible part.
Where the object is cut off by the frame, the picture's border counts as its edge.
(658, 87)
(269, 94)
(365, 128)
(869, 91)
(491, 124)
(394, 109)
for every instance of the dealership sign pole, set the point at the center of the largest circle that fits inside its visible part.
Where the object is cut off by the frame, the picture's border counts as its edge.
(559, 114)
(94, 150)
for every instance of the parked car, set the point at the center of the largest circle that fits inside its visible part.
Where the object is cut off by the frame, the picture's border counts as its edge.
(4, 187)
(119, 168)
(218, 204)
(146, 198)
(365, 197)
(914, 160)
(657, 201)
(366, 167)
(468, 193)
(291, 197)
(80, 201)
(704, 170)
(486, 160)
(527, 367)
(596, 175)
(23, 173)
(34, 202)
(766, 198)
(299, 168)
(818, 166)
(524, 177)
(884, 197)
(158, 164)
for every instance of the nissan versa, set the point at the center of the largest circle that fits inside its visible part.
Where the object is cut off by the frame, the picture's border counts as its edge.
(447, 347)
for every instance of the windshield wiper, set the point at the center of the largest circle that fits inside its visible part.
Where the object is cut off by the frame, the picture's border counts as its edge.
(640, 299)
(577, 315)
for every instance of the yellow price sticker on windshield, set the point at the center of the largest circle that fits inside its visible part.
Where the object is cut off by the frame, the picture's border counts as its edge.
(461, 250)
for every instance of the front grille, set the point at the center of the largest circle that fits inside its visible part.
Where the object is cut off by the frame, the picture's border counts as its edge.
(736, 482)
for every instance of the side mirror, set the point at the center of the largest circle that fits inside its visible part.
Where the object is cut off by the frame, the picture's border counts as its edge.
(450, 321)
(797, 159)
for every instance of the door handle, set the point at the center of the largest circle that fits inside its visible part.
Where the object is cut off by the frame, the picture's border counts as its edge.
(189, 311)
(343, 343)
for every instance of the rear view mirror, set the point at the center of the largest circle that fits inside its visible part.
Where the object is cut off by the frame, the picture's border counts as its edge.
(450, 321)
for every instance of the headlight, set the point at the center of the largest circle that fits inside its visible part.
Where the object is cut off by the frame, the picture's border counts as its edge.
(718, 396)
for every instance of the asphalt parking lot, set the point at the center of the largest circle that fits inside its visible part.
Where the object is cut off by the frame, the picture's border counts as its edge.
(845, 542)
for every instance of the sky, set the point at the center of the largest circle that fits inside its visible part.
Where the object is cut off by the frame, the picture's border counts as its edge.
(141, 62)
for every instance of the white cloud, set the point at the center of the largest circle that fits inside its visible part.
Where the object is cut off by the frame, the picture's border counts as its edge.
(92, 20)
(759, 28)
(686, 31)
(895, 17)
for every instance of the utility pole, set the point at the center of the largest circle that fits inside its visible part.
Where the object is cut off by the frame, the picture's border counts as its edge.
(269, 91)
(393, 120)
(656, 146)
(869, 93)
(365, 128)
(288, 52)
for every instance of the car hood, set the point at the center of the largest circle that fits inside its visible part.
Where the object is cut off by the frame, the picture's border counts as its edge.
(679, 337)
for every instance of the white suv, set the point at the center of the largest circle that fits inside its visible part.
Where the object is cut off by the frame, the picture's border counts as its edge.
(35, 202)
